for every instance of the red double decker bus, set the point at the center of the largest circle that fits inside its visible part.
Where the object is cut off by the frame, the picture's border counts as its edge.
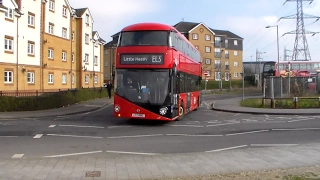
(158, 73)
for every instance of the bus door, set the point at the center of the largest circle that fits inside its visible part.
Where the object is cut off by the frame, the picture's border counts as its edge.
(188, 101)
(175, 94)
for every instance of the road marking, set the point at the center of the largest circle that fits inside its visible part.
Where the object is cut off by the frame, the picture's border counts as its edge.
(250, 132)
(235, 147)
(38, 136)
(204, 135)
(81, 126)
(51, 126)
(95, 137)
(186, 125)
(237, 114)
(8, 136)
(274, 144)
(17, 156)
(213, 121)
(123, 152)
(297, 129)
(136, 136)
(110, 127)
(264, 122)
(73, 154)
(221, 124)
(300, 120)
(91, 105)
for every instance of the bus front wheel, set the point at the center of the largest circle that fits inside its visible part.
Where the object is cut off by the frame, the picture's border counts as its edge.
(181, 111)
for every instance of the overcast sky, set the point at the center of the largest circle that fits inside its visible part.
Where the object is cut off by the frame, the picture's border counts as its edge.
(246, 18)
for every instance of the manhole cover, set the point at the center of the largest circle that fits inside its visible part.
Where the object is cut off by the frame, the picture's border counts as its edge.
(93, 173)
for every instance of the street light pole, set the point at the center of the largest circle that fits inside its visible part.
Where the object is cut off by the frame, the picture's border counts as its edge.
(220, 67)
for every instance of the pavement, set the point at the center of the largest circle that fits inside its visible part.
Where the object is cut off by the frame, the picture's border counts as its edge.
(126, 166)
(79, 108)
(233, 105)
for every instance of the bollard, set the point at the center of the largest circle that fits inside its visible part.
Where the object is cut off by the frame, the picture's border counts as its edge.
(319, 102)
(295, 102)
(272, 104)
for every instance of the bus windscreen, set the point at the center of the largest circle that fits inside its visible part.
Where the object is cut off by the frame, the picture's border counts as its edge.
(144, 38)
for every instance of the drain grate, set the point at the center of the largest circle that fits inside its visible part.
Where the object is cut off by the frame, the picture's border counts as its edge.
(93, 173)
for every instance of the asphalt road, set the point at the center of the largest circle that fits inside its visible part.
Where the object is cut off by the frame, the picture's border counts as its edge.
(200, 131)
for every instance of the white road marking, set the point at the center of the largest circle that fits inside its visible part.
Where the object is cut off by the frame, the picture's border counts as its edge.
(213, 121)
(80, 126)
(221, 124)
(92, 105)
(138, 153)
(264, 122)
(301, 120)
(284, 117)
(297, 129)
(250, 132)
(17, 156)
(235, 147)
(237, 114)
(136, 136)
(38, 136)
(186, 125)
(110, 127)
(8, 136)
(95, 137)
(273, 145)
(51, 126)
(203, 135)
(72, 154)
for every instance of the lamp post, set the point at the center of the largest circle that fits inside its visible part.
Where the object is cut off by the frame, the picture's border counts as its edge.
(278, 67)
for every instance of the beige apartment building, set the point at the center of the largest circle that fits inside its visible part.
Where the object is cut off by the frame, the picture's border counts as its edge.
(48, 46)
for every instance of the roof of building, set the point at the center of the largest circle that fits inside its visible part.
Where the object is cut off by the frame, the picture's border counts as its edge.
(79, 12)
(185, 27)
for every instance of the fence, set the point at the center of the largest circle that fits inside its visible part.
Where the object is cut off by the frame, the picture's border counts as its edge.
(285, 87)
(40, 93)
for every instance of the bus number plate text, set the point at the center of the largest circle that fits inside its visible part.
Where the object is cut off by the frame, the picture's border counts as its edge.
(138, 115)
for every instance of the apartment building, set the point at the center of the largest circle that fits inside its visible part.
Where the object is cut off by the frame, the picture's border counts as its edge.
(221, 50)
(48, 46)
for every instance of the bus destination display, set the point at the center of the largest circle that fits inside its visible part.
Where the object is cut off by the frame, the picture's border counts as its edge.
(154, 59)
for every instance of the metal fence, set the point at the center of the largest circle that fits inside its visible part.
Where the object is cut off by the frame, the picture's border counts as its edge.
(284, 87)
(41, 93)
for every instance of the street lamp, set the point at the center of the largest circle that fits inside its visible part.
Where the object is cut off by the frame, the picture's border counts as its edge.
(277, 45)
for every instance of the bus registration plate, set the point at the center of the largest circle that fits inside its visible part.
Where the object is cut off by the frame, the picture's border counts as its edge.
(138, 115)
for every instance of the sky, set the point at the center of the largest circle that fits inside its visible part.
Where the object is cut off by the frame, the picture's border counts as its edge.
(245, 18)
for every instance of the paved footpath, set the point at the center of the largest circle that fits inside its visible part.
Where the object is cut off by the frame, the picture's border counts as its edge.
(124, 167)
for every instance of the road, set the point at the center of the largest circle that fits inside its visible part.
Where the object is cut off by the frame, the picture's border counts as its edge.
(100, 134)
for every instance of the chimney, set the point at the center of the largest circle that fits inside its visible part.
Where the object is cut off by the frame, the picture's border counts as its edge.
(18, 3)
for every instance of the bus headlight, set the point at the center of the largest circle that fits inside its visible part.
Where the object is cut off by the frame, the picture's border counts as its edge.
(163, 111)
(117, 108)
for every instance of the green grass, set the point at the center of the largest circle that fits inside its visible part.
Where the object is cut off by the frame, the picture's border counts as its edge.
(280, 104)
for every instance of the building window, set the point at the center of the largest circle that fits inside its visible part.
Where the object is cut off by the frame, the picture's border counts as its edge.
(8, 76)
(235, 42)
(226, 54)
(72, 79)
(64, 56)
(51, 5)
(194, 36)
(217, 64)
(86, 58)
(8, 43)
(64, 79)
(9, 13)
(64, 32)
(31, 19)
(208, 37)
(227, 65)
(217, 52)
(30, 77)
(235, 74)
(72, 57)
(235, 64)
(208, 61)
(96, 60)
(208, 49)
(31, 48)
(87, 19)
(217, 41)
(86, 79)
(64, 11)
(96, 79)
(50, 78)
(235, 53)
(50, 53)
(106, 63)
(217, 76)
(51, 28)
(86, 39)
